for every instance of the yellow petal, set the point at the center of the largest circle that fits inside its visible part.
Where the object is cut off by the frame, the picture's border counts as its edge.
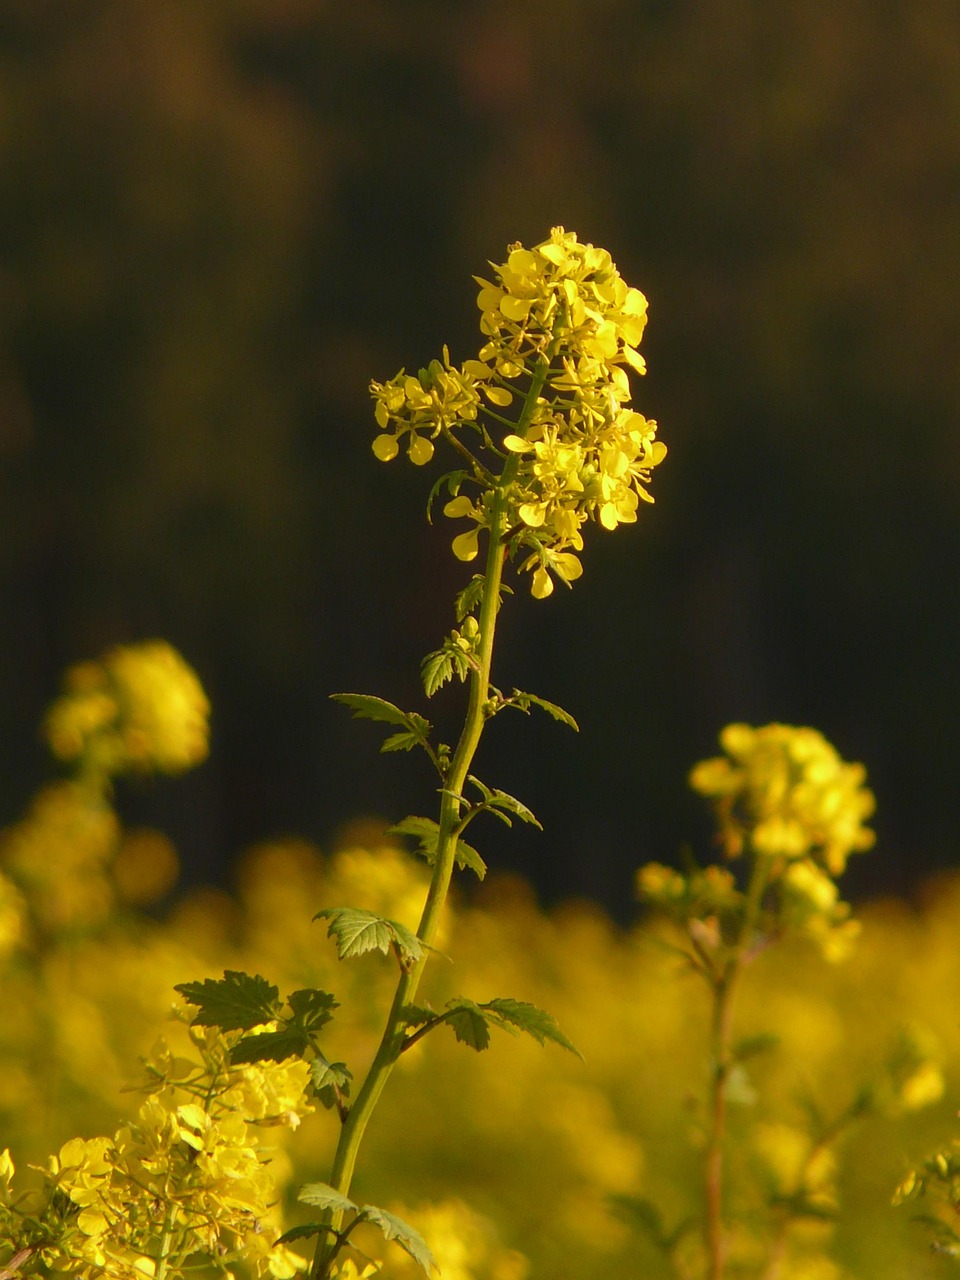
(457, 507)
(542, 584)
(499, 395)
(517, 444)
(514, 308)
(420, 450)
(465, 545)
(385, 447)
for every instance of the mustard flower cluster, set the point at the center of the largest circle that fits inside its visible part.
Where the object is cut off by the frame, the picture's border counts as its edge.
(562, 329)
(784, 792)
(58, 857)
(140, 708)
(187, 1182)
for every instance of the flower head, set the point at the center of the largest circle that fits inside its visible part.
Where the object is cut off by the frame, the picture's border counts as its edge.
(561, 328)
(785, 793)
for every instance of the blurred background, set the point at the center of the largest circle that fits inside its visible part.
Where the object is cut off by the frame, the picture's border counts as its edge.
(220, 221)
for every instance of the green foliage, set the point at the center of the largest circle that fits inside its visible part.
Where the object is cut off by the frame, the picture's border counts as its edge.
(235, 1002)
(415, 730)
(427, 832)
(238, 1001)
(524, 701)
(471, 1022)
(321, 1196)
(356, 932)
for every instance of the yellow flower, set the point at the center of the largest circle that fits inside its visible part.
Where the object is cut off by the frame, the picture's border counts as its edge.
(785, 793)
(141, 707)
(562, 329)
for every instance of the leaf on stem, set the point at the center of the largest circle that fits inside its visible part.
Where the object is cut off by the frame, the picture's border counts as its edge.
(311, 1009)
(470, 596)
(331, 1081)
(394, 1228)
(235, 1002)
(427, 832)
(524, 701)
(535, 1022)
(356, 931)
(471, 1022)
(322, 1196)
(502, 804)
(415, 729)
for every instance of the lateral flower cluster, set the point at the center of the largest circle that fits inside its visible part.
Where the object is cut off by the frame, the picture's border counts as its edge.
(561, 331)
(140, 708)
(187, 1182)
(784, 792)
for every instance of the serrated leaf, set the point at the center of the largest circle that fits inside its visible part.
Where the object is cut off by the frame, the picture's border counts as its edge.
(235, 1002)
(424, 829)
(322, 1196)
(535, 1022)
(415, 1015)
(503, 800)
(330, 1079)
(453, 481)
(356, 931)
(270, 1046)
(466, 856)
(470, 596)
(366, 706)
(312, 1007)
(527, 700)
(428, 833)
(394, 1228)
(302, 1232)
(469, 1023)
(435, 670)
(402, 741)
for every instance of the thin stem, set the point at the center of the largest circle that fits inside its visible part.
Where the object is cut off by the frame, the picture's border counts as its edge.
(394, 1037)
(725, 982)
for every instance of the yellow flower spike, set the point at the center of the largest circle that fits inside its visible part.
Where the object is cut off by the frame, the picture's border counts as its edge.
(786, 791)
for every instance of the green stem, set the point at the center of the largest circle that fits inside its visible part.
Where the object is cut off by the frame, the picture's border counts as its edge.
(725, 983)
(393, 1039)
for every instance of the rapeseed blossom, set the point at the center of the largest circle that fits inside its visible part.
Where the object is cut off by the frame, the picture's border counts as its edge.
(141, 708)
(562, 329)
(785, 793)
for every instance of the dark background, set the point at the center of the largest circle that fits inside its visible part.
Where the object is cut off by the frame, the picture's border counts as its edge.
(219, 221)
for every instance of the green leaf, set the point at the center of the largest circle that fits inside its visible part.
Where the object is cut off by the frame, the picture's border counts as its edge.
(331, 1080)
(235, 1002)
(394, 1228)
(494, 799)
(415, 1015)
(366, 706)
(535, 1022)
(424, 829)
(357, 931)
(271, 1046)
(405, 740)
(469, 1023)
(524, 701)
(428, 833)
(640, 1213)
(312, 1008)
(453, 480)
(322, 1196)
(470, 596)
(466, 856)
(302, 1232)
(435, 670)
(750, 1046)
